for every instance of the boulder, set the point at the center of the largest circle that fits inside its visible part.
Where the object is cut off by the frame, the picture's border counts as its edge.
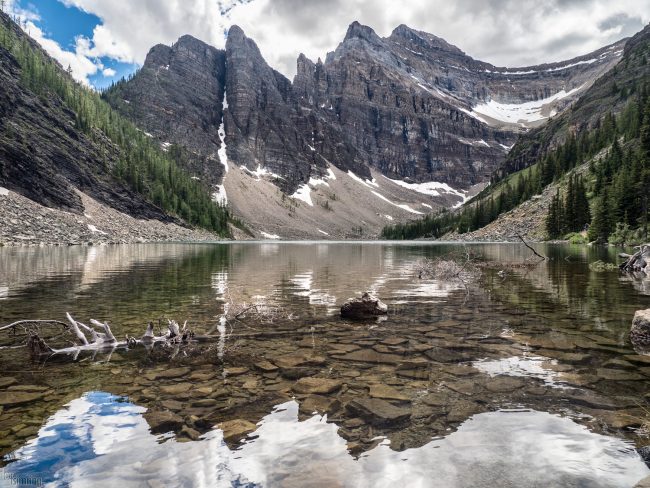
(378, 412)
(640, 331)
(367, 306)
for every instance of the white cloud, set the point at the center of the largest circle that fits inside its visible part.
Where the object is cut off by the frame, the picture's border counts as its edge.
(109, 72)
(82, 67)
(504, 32)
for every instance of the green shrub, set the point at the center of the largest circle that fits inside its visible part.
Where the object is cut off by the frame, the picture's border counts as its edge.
(575, 238)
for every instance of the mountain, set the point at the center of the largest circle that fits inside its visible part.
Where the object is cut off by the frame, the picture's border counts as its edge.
(385, 129)
(61, 145)
(587, 167)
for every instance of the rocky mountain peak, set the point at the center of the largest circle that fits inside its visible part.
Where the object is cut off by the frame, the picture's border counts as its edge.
(422, 39)
(360, 31)
(237, 36)
(158, 55)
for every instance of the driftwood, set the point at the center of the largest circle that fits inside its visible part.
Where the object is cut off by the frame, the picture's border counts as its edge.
(97, 337)
(639, 262)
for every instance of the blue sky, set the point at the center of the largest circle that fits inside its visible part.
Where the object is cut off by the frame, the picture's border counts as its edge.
(64, 24)
(103, 40)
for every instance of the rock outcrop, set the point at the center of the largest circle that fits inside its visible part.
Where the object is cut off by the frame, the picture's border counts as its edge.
(365, 307)
(45, 157)
(410, 107)
(177, 98)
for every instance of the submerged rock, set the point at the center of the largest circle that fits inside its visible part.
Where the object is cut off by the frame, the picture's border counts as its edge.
(11, 398)
(236, 429)
(163, 421)
(640, 331)
(378, 412)
(317, 385)
(368, 306)
(387, 393)
(320, 404)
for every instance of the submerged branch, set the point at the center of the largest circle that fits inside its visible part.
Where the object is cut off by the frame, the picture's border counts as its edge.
(531, 248)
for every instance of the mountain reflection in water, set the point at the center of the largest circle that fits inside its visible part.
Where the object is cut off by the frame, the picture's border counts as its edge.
(523, 379)
(102, 440)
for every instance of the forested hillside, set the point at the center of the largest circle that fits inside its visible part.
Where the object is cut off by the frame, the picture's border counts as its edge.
(611, 196)
(46, 157)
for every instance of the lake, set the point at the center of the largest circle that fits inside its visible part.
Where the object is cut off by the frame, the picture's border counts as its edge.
(523, 377)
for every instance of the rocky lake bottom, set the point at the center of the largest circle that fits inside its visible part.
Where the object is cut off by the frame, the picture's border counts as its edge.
(524, 377)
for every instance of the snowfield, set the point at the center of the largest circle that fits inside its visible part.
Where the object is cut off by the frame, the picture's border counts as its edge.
(518, 113)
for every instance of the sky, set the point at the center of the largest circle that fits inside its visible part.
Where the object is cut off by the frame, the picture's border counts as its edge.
(103, 40)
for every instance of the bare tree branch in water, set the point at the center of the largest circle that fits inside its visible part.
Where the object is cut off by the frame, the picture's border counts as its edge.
(530, 247)
(448, 268)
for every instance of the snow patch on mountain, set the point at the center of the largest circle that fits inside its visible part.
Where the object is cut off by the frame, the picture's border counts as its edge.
(403, 206)
(261, 172)
(220, 196)
(303, 193)
(269, 236)
(432, 188)
(368, 183)
(519, 112)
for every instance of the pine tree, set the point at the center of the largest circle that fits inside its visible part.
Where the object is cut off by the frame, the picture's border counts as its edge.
(601, 225)
(581, 205)
(553, 219)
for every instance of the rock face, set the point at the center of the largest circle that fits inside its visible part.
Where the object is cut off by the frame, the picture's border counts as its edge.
(177, 98)
(365, 307)
(640, 331)
(410, 107)
(44, 157)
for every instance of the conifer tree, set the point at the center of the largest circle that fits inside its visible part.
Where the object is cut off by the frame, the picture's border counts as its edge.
(601, 225)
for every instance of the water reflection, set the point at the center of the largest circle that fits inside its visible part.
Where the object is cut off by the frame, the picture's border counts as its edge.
(102, 440)
(522, 366)
(524, 333)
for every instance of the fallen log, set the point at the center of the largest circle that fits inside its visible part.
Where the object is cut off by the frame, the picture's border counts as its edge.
(639, 262)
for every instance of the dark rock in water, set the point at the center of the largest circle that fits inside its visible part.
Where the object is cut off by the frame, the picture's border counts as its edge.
(644, 452)
(161, 421)
(443, 355)
(365, 307)
(378, 412)
(298, 372)
(640, 331)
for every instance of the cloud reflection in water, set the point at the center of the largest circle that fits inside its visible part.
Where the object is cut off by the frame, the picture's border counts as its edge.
(101, 440)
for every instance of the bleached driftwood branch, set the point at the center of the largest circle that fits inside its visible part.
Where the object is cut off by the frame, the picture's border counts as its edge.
(99, 337)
